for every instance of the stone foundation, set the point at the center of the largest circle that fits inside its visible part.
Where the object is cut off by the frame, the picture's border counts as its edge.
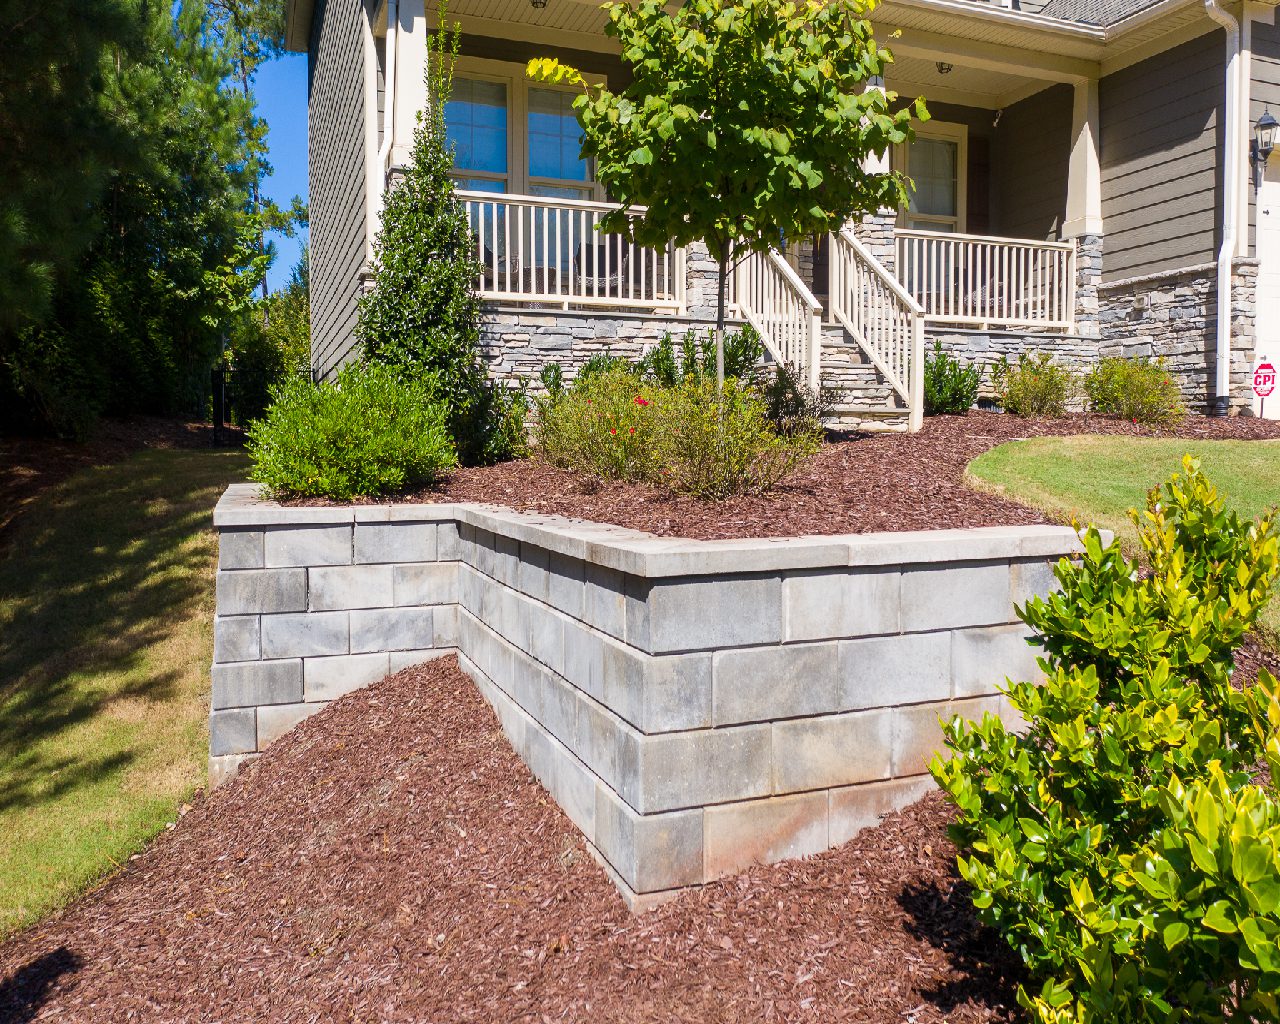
(1174, 315)
(986, 348)
(694, 707)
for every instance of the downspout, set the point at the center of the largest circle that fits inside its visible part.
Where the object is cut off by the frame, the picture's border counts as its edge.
(388, 107)
(1231, 170)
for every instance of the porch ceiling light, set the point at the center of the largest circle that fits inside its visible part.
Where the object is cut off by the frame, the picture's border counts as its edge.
(944, 68)
(1264, 141)
(538, 4)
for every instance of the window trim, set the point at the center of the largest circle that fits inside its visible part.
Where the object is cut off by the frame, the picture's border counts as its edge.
(512, 75)
(942, 131)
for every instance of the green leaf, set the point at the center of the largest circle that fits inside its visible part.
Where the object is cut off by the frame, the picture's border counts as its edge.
(1219, 918)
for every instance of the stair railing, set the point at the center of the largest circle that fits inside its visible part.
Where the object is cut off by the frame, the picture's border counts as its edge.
(881, 317)
(771, 297)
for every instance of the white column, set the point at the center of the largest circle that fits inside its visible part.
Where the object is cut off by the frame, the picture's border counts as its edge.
(1084, 182)
(411, 67)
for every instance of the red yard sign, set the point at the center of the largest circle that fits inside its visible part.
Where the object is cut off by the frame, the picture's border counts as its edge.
(1264, 380)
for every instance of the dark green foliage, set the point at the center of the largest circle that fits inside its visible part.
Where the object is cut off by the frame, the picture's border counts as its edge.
(552, 377)
(1119, 843)
(1135, 389)
(601, 363)
(791, 405)
(949, 385)
(423, 314)
(373, 431)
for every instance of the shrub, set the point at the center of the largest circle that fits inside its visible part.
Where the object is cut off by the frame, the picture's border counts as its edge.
(791, 405)
(949, 385)
(371, 432)
(690, 438)
(1135, 389)
(1119, 843)
(1035, 386)
(696, 357)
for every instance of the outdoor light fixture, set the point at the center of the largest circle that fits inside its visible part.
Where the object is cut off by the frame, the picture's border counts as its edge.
(538, 4)
(1264, 141)
(944, 68)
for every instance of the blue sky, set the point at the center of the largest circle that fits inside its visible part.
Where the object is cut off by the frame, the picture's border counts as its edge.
(281, 93)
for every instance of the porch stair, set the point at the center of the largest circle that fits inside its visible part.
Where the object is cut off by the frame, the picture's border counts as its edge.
(868, 403)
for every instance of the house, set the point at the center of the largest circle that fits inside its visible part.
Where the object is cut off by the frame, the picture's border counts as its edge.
(1094, 177)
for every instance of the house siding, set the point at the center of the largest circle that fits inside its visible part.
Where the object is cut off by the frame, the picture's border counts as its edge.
(1264, 93)
(1031, 162)
(337, 138)
(1160, 139)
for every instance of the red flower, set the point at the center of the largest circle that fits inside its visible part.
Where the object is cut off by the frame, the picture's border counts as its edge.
(588, 401)
(641, 400)
(613, 430)
(633, 430)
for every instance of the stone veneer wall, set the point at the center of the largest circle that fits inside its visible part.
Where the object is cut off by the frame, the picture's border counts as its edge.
(694, 707)
(1174, 315)
(986, 348)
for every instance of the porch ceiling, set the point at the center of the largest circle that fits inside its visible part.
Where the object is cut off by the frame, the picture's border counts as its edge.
(973, 87)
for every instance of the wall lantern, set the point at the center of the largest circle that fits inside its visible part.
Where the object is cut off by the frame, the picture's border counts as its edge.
(1264, 141)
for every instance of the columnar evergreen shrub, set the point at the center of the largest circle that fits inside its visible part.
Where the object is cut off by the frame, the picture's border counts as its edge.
(1034, 386)
(373, 431)
(423, 314)
(1120, 843)
(1135, 389)
(949, 385)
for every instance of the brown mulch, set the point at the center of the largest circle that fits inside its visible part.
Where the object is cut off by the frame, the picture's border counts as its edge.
(392, 859)
(863, 484)
(31, 465)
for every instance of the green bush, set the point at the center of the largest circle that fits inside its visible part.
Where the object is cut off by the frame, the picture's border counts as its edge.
(1135, 389)
(949, 385)
(618, 425)
(791, 404)
(1119, 843)
(371, 432)
(1034, 386)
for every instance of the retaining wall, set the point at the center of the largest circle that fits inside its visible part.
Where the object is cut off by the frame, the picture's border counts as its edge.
(693, 706)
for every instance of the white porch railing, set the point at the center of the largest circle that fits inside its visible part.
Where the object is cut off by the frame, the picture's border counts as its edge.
(980, 281)
(551, 250)
(771, 297)
(884, 320)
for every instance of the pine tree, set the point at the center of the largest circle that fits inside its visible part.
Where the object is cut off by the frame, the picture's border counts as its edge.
(423, 313)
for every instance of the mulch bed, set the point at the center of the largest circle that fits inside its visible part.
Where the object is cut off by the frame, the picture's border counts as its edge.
(392, 859)
(29, 466)
(863, 484)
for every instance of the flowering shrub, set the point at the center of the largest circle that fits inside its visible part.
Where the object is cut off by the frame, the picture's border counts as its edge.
(1119, 842)
(1135, 389)
(688, 437)
(1034, 386)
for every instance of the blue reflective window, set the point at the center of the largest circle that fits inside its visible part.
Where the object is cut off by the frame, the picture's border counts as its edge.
(554, 137)
(475, 123)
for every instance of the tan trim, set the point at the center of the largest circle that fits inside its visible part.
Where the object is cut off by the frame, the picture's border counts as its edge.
(973, 53)
(944, 131)
(1152, 47)
(493, 28)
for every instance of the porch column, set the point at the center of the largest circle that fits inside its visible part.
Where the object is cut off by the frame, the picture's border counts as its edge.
(410, 83)
(875, 230)
(1083, 221)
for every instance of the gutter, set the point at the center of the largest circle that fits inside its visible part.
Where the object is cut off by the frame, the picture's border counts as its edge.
(1231, 171)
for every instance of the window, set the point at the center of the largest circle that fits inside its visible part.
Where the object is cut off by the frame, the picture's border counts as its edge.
(935, 162)
(475, 120)
(554, 144)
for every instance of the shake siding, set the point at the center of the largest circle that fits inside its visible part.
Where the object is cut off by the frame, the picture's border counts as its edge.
(336, 126)
(1031, 162)
(1160, 135)
(1264, 93)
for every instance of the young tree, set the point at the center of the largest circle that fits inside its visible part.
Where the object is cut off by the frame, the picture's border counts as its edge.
(745, 123)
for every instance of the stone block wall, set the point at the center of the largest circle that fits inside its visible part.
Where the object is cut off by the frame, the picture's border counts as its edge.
(1174, 315)
(694, 707)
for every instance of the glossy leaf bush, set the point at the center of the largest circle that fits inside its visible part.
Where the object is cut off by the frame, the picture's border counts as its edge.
(1119, 841)
(1138, 390)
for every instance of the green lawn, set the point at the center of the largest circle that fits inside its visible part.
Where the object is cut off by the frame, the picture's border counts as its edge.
(106, 611)
(1100, 478)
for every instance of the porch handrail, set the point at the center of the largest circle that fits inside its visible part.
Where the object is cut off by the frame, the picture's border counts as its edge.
(984, 280)
(550, 250)
(771, 297)
(881, 316)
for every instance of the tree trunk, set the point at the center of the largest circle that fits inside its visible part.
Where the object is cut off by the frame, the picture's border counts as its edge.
(722, 259)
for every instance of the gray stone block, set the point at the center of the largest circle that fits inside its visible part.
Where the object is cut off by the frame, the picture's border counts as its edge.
(223, 769)
(649, 852)
(939, 597)
(760, 684)
(892, 670)
(248, 684)
(406, 659)
(983, 659)
(917, 736)
(838, 750)
(307, 635)
(260, 591)
(395, 542)
(240, 549)
(308, 545)
(444, 625)
(391, 629)
(546, 636)
(448, 542)
(657, 694)
(275, 721)
(584, 658)
(558, 708)
(824, 604)
(1032, 578)
(690, 769)
(325, 679)
(598, 737)
(233, 732)
(566, 587)
(708, 613)
(605, 605)
(735, 836)
(236, 638)
(350, 586)
(425, 583)
(854, 808)
(532, 577)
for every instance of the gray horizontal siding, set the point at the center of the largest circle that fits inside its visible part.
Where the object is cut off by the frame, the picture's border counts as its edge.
(1264, 93)
(1030, 165)
(1160, 140)
(336, 128)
